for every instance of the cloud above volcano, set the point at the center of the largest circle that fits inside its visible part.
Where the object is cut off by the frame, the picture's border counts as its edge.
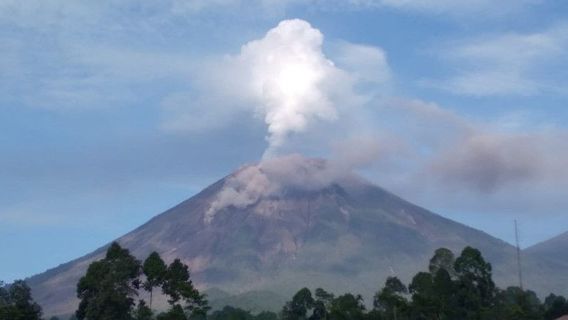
(286, 79)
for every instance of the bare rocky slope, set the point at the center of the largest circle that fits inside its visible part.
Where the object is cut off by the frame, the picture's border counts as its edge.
(269, 229)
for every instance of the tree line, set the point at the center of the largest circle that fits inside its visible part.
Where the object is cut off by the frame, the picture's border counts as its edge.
(453, 288)
(459, 288)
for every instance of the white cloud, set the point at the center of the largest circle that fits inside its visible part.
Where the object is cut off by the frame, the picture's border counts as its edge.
(366, 63)
(507, 64)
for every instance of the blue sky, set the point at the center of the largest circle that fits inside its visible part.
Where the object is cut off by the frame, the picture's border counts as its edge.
(111, 112)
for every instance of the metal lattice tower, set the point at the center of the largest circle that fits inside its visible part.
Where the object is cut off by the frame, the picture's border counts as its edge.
(519, 265)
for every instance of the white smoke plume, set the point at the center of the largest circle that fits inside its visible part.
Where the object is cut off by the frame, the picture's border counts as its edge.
(289, 79)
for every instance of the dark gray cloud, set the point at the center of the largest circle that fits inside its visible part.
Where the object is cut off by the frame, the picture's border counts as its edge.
(488, 161)
(453, 164)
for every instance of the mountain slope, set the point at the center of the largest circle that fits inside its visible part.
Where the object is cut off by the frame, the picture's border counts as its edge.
(555, 248)
(288, 223)
(549, 263)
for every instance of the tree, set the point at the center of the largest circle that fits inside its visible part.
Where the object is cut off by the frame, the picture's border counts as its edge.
(475, 289)
(231, 313)
(391, 300)
(5, 303)
(175, 313)
(16, 302)
(443, 290)
(515, 303)
(298, 308)
(106, 291)
(322, 304)
(324, 296)
(555, 307)
(432, 292)
(347, 307)
(443, 259)
(425, 303)
(178, 286)
(266, 315)
(142, 312)
(176, 282)
(155, 270)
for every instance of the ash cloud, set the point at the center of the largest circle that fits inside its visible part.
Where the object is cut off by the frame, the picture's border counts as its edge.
(452, 152)
(488, 162)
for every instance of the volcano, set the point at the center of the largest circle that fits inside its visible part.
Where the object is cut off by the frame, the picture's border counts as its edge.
(271, 228)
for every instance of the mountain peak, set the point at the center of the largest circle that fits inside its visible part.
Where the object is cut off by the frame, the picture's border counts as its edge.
(273, 177)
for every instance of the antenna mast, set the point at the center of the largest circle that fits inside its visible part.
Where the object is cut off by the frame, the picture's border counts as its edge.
(518, 256)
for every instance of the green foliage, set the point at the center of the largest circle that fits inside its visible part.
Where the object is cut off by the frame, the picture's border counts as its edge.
(324, 297)
(266, 315)
(16, 302)
(443, 259)
(323, 303)
(425, 303)
(142, 312)
(515, 303)
(298, 307)
(154, 270)
(176, 282)
(391, 300)
(178, 286)
(230, 313)
(175, 313)
(110, 286)
(107, 290)
(475, 290)
(432, 294)
(347, 307)
(555, 307)
(5, 303)
(303, 306)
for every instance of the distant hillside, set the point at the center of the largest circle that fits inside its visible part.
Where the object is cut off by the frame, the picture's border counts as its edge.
(549, 263)
(554, 249)
(289, 223)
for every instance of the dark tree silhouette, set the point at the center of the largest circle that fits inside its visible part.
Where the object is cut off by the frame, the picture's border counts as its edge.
(391, 300)
(16, 302)
(475, 289)
(297, 309)
(154, 270)
(107, 290)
